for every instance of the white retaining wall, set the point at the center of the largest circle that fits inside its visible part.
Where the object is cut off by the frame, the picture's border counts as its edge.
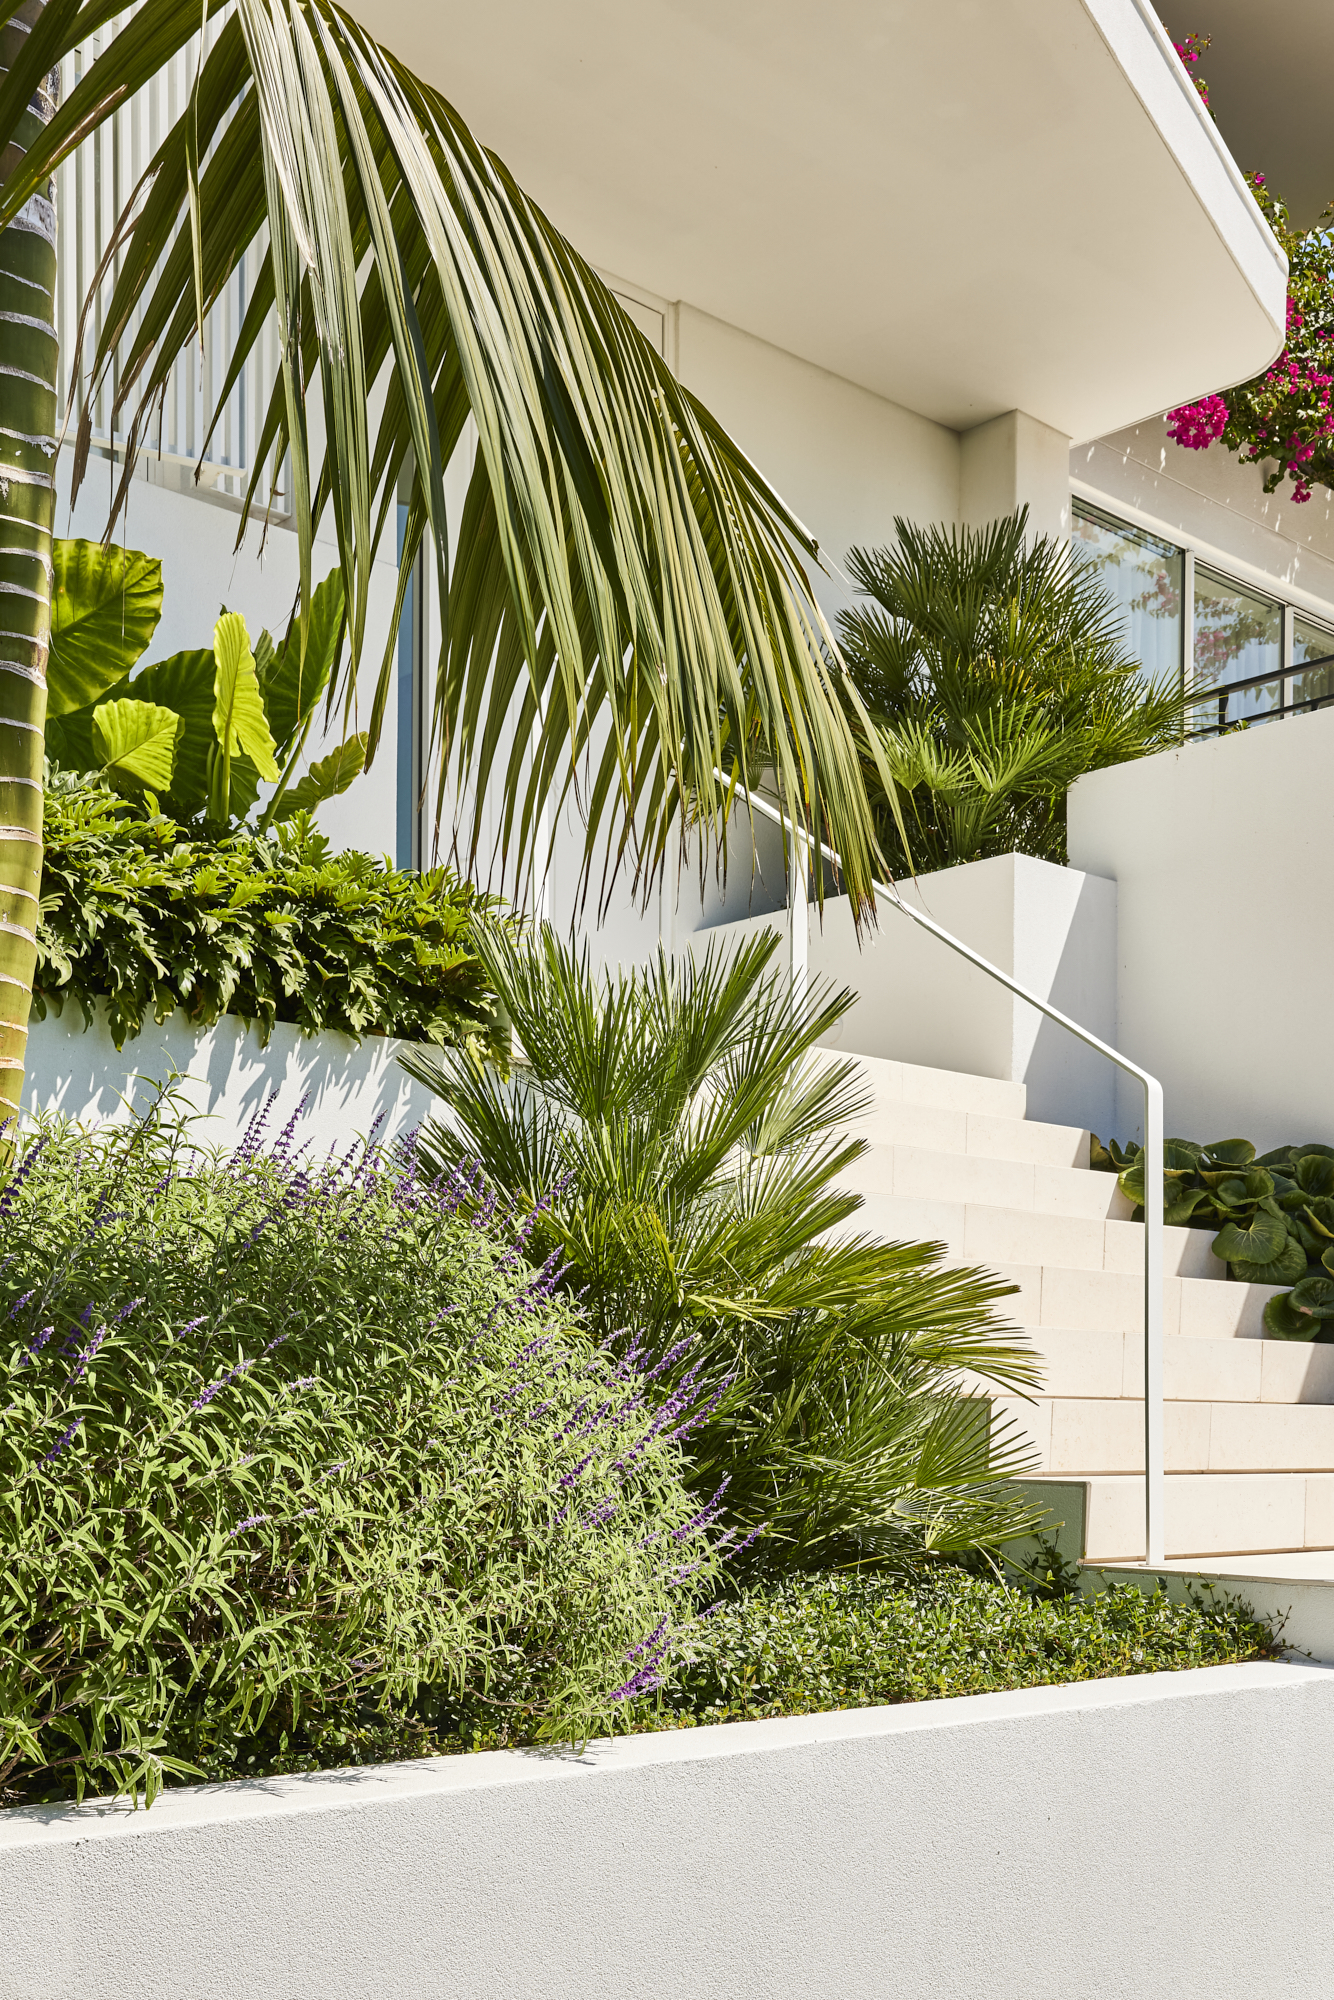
(1225, 893)
(1169, 1834)
(1053, 929)
(225, 1078)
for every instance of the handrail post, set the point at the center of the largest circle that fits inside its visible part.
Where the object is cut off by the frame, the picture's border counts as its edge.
(1154, 1478)
(798, 922)
(1154, 1483)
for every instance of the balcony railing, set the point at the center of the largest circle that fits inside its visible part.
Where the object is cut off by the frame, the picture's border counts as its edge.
(1292, 699)
(92, 187)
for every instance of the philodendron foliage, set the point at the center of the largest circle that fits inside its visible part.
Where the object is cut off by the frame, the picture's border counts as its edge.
(195, 733)
(1274, 1216)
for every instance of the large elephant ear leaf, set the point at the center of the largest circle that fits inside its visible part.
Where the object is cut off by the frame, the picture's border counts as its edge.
(1315, 1295)
(105, 607)
(135, 742)
(239, 721)
(325, 779)
(1180, 1204)
(184, 683)
(1284, 1321)
(1314, 1174)
(1285, 1269)
(291, 685)
(1260, 1242)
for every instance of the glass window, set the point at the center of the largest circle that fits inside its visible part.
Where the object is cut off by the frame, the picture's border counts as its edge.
(1311, 643)
(1144, 577)
(1238, 637)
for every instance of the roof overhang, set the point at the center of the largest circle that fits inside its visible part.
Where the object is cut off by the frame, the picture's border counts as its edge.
(967, 209)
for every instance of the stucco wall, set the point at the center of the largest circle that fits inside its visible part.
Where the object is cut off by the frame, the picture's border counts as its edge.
(845, 460)
(1206, 500)
(1221, 856)
(223, 1077)
(1169, 1834)
(1053, 929)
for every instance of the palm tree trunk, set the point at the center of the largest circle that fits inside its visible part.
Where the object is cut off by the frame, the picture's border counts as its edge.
(28, 357)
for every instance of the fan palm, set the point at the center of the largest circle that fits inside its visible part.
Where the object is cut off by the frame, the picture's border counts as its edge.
(995, 671)
(681, 1139)
(627, 591)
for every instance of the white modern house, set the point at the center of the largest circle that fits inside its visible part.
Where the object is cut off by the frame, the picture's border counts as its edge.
(938, 264)
(934, 261)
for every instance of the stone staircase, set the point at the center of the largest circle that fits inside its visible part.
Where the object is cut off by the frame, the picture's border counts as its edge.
(1248, 1422)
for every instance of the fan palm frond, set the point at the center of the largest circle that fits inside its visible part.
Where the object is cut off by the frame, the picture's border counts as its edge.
(685, 1137)
(994, 667)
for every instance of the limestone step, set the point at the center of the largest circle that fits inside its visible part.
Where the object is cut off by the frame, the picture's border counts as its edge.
(1211, 1513)
(976, 1134)
(1090, 1301)
(985, 1232)
(921, 1173)
(1079, 1435)
(1079, 1363)
(894, 1083)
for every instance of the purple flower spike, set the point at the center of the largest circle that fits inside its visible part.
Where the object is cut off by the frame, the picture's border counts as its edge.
(250, 1521)
(59, 1446)
(17, 1178)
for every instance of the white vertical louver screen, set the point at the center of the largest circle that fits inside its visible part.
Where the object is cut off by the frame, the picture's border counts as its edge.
(92, 187)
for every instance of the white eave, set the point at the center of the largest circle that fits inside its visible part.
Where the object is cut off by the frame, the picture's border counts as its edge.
(967, 208)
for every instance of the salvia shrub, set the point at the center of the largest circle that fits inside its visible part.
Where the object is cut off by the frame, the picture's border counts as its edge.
(145, 915)
(305, 1463)
(1274, 1217)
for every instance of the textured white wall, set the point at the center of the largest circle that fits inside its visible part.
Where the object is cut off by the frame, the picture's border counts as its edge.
(225, 1077)
(1053, 929)
(845, 460)
(1209, 501)
(1118, 1840)
(1015, 461)
(1225, 894)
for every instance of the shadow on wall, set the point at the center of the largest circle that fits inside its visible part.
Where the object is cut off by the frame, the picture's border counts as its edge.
(1053, 929)
(225, 1078)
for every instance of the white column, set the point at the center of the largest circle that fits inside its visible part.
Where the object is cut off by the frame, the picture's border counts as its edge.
(1011, 461)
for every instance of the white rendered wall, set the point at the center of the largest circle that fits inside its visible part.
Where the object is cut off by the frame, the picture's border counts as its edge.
(1208, 501)
(1053, 929)
(1225, 894)
(845, 460)
(1115, 1840)
(225, 1077)
(1015, 461)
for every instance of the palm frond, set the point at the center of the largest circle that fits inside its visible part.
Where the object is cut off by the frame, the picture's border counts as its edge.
(630, 610)
(694, 1139)
(994, 668)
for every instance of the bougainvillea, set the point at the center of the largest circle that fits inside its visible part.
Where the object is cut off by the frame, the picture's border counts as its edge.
(1190, 50)
(1284, 417)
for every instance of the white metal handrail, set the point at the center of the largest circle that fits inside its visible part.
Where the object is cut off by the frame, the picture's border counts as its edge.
(798, 948)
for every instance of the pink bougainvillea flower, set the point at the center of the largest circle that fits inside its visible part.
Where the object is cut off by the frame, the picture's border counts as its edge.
(1198, 425)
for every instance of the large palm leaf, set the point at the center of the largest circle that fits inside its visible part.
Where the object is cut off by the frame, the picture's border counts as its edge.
(629, 609)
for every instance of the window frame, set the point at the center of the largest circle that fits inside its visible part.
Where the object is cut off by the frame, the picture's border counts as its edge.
(1288, 668)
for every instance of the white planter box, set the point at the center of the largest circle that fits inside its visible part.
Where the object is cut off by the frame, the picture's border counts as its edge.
(226, 1077)
(1115, 1840)
(1221, 854)
(1053, 929)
